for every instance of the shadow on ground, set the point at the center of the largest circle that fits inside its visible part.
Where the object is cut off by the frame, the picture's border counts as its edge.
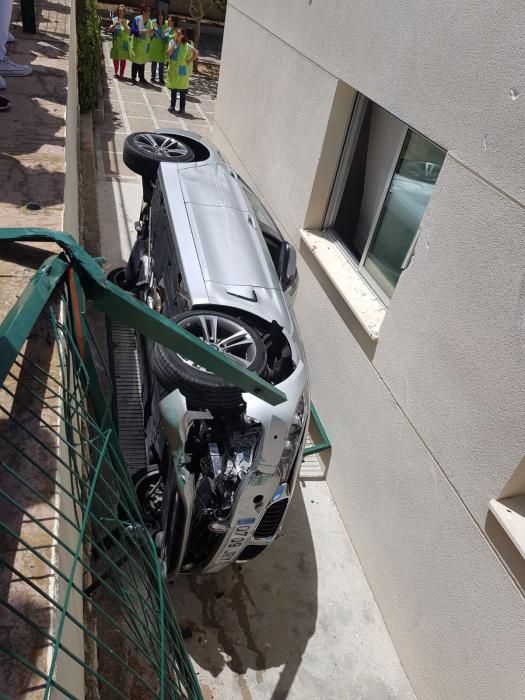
(258, 615)
(26, 478)
(33, 135)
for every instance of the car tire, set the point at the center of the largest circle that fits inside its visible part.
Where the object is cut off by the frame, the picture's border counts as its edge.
(144, 150)
(118, 277)
(201, 388)
(173, 519)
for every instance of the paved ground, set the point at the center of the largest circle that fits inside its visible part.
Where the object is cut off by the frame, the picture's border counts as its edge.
(32, 170)
(129, 108)
(299, 621)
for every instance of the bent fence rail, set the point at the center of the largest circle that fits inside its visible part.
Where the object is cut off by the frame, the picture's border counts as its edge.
(85, 610)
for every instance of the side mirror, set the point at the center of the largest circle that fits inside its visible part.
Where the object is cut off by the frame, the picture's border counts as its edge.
(288, 267)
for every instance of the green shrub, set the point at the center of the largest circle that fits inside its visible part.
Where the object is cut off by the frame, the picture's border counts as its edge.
(89, 53)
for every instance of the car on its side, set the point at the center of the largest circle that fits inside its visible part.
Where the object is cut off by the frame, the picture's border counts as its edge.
(222, 464)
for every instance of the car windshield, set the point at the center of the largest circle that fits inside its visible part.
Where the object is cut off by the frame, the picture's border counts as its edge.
(264, 219)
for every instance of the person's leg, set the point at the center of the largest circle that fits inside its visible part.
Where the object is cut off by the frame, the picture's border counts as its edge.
(154, 70)
(134, 71)
(173, 100)
(7, 66)
(122, 67)
(161, 72)
(141, 72)
(6, 9)
(115, 66)
(182, 101)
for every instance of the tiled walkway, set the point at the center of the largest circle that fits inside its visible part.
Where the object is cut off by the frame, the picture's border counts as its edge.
(32, 171)
(127, 109)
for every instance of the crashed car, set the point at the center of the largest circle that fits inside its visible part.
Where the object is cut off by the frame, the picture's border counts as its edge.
(209, 256)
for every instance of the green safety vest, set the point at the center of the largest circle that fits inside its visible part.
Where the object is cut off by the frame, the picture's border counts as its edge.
(120, 48)
(159, 44)
(140, 45)
(178, 77)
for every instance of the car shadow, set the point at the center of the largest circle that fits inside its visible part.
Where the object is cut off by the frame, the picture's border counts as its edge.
(259, 615)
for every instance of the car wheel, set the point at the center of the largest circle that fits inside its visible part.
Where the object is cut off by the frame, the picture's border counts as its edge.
(173, 526)
(143, 151)
(202, 389)
(118, 277)
(150, 491)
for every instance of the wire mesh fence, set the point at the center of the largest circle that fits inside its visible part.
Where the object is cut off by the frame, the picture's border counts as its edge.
(85, 610)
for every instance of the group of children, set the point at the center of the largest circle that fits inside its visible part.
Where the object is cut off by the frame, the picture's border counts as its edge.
(159, 42)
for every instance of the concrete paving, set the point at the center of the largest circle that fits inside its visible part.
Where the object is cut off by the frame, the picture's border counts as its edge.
(32, 172)
(300, 621)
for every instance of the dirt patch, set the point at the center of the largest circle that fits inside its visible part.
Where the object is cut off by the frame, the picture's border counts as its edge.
(209, 71)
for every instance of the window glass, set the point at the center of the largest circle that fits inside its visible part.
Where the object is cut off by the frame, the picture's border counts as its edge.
(264, 219)
(386, 176)
(412, 184)
(370, 169)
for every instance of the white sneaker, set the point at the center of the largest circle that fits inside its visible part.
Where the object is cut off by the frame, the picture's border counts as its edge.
(10, 38)
(7, 67)
(3, 84)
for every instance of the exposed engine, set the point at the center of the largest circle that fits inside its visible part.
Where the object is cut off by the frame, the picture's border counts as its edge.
(222, 452)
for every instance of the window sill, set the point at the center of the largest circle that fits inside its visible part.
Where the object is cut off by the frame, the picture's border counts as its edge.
(366, 306)
(510, 513)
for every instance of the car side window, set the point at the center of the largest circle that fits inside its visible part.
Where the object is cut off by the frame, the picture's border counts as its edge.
(264, 219)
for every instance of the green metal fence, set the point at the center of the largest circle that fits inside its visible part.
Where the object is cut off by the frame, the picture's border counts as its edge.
(84, 607)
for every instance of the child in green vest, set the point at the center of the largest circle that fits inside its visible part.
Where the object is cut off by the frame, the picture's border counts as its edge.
(120, 49)
(180, 55)
(159, 44)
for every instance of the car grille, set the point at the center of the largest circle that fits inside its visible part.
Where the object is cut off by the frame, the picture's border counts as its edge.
(271, 519)
(251, 551)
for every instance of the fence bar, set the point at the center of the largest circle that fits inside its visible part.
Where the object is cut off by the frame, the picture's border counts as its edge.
(325, 443)
(23, 315)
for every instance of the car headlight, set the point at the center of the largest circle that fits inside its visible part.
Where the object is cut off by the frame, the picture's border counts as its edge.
(293, 439)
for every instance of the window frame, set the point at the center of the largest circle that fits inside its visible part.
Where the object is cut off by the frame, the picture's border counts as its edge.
(353, 130)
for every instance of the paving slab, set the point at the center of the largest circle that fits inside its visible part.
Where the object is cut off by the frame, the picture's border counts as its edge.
(32, 169)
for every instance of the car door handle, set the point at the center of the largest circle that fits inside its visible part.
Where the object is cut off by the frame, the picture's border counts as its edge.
(251, 221)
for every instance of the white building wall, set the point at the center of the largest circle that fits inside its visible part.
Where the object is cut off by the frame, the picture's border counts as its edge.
(431, 428)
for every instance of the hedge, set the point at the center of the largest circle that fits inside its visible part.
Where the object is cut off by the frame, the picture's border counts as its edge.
(89, 53)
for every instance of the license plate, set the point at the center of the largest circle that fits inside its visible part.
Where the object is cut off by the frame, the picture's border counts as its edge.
(237, 540)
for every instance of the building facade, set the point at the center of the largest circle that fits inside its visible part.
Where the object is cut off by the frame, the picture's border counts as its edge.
(387, 138)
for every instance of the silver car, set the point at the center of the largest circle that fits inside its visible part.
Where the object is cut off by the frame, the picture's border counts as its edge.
(222, 465)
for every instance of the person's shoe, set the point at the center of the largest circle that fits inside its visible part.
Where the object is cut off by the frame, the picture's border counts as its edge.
(143, 81)
(3, 84)
(4, 104)
(181, 111)
(9, 68)
(171, 110)
(10, 38)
